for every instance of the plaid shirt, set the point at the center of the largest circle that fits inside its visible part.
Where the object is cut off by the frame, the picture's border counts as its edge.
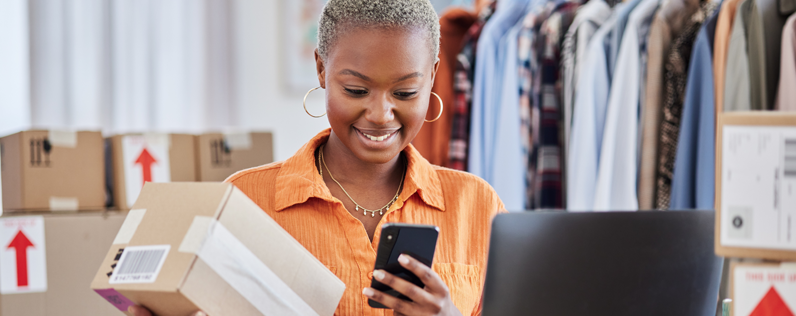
(463, 77)
(540, 111)
(529, 111)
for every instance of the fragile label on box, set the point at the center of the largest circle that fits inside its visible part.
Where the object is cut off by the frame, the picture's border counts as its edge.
(146, 159)
(758, 183)
(23, 265)
(764, 290)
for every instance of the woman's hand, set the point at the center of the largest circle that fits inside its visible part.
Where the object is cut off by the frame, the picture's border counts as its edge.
(435, 299)
(141, 311)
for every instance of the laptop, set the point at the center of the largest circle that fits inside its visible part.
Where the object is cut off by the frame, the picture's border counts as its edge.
(602, 263)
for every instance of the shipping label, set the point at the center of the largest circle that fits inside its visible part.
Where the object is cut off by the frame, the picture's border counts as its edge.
(140, 264)
(758, 187)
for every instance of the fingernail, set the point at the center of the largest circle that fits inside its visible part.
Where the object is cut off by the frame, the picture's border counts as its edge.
(378, 274)
(367, 292)
(131, 309)
(200, 314)
(402, 259)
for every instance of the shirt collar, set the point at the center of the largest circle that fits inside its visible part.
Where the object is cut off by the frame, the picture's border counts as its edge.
(298, 179)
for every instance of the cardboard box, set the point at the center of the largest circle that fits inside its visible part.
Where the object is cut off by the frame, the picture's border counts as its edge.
(140, 158)
(52, 170)
(74, 243)
(206, 246)
(756, 185)
(221, 155)
(763, 289)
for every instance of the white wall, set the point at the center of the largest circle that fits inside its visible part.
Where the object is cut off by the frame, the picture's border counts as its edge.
(14, 79)
(264, 99)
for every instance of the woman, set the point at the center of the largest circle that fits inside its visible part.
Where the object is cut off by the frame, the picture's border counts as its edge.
(376, 61)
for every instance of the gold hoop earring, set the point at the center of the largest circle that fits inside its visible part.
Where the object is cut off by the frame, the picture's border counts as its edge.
(305, 103)
(440, 109)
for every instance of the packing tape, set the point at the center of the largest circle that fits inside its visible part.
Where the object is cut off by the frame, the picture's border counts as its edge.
(241, 269)
(193, 239)
(62, 138)
(129, 226)
(64, 203)
(788, 265)
(158, 139)
(238, 140)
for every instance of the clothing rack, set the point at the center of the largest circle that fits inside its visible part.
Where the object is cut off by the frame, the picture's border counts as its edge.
(604, 105)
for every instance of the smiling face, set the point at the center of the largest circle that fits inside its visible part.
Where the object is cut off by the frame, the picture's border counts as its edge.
(378, 84)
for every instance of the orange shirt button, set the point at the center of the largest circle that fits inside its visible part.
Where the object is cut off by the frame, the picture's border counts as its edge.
(370, 275)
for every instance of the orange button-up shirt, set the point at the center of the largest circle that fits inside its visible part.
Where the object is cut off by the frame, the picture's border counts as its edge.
(462, 205)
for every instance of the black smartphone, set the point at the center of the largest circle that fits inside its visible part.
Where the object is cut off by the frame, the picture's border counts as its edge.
(417, 241)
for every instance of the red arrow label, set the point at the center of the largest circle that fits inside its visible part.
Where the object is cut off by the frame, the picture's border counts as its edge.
(772, 304)
(21, 243)
(146, 160)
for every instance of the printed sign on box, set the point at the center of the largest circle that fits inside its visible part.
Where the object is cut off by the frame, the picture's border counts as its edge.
(756, 185)
(146, 159)
(23, 266)
(767, 289)
(759, 187)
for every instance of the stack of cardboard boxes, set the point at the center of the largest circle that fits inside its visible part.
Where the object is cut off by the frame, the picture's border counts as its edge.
(63, 171)
(756, 210)
(65, 194)
(139, 158)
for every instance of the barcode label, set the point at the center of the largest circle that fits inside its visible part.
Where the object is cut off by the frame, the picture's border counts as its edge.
(790, 158)
(140, 264)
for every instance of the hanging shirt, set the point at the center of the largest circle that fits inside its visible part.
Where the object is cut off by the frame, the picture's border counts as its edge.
(463, 92)
(736, 84)
(434, 138)
(644, 31)
(786, 96)
(618, 168)
(711, 28)
(615, 37)
(588, 19)
(764, 37)
(548, 190)
(591, 102)
(542, 31)
(694, 170)
(666, 24)
(529, 113)
(494, 150)
(724, 27)
(675, 78)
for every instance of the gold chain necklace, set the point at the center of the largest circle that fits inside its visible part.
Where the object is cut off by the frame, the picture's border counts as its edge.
(359, 207)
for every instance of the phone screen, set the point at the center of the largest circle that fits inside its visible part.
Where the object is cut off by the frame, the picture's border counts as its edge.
(418, 241)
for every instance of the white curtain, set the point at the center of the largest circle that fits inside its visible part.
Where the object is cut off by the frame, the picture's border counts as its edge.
(14, 70)
(131, 65)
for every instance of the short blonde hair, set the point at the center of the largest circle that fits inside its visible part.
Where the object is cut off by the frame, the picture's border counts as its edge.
(338, 16)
